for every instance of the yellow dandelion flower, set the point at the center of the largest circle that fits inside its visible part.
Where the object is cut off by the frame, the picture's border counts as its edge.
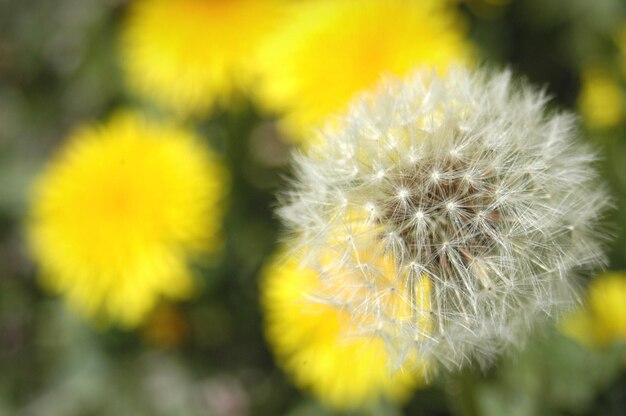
(117, 213)
(320, 345)
(188, 55)
(601, 99)
(603, 319)
(332, 49)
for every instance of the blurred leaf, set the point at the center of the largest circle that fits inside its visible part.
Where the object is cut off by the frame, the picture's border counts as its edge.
(553, 376)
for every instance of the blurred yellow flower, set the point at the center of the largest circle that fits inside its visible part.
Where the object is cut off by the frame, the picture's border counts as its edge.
(188, 55)
(117, 213)
(332, 49)
(319, 344)
(603, 319)
(601, 99)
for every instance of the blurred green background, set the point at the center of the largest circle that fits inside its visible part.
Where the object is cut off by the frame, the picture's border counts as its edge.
(59, 67)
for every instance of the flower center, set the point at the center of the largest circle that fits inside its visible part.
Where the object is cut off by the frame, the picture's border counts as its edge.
(446, 214)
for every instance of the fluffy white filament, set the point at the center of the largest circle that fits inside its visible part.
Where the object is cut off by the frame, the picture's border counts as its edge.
(463, 180)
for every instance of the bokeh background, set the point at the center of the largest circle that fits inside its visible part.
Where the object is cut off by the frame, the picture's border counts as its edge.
(61, 66)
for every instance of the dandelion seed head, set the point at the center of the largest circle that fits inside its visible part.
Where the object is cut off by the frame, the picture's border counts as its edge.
(483, 193)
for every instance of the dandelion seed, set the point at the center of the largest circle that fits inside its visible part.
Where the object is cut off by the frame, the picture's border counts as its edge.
(499, 213)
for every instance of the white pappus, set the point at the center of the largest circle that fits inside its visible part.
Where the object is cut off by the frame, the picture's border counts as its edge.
(463, 186)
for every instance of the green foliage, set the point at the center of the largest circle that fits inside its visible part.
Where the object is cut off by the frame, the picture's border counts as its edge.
(553, 376)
